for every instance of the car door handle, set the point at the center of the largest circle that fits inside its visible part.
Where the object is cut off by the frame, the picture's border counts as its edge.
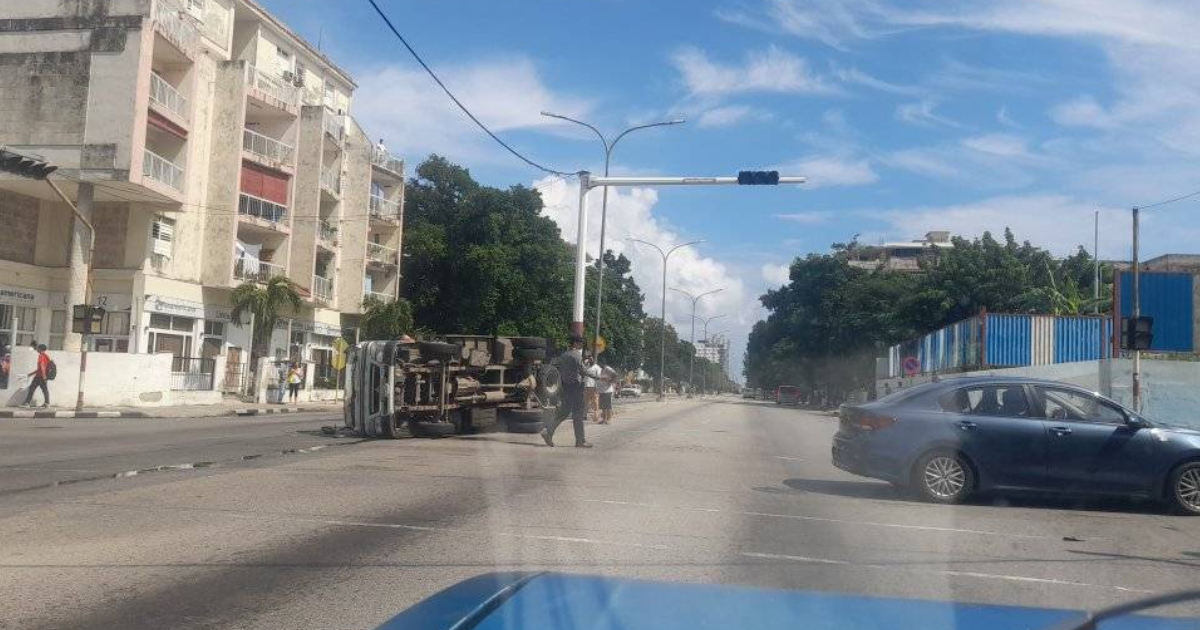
(967, 425)
(1060, 431)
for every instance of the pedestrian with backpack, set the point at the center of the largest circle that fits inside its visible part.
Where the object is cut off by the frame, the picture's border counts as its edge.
(45, 372)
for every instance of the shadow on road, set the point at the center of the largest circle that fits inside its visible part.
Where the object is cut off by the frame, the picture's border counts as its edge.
(842, 488)
(1122, 556)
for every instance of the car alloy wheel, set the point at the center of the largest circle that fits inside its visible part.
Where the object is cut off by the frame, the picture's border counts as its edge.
(945, 477)
(1187, 489)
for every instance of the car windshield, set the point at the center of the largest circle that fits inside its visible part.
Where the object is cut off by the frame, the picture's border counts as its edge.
(601, 314)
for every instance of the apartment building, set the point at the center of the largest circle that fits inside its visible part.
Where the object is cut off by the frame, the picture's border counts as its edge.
(210, 146)
(715, 350)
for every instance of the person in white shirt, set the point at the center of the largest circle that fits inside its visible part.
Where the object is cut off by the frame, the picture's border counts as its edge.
(607, 385)
(591, 397)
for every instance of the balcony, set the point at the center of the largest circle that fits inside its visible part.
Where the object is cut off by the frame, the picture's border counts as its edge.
(384, 210)
(165, 96)
(267, 149)
(327, 231)
(162, 170)
(176, 26)
(335, 127)
(380, 158)
(377, 296)
(322, 289)
(331, 181)
(254, 270)
(381, 254)
(272, 90)
(262, 211)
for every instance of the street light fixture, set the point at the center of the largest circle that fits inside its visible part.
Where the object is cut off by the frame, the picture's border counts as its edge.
(704, 376)
(608, 149)
(692, 359)
(662, 349)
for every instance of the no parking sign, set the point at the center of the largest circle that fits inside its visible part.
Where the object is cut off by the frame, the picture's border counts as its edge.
(912, 366)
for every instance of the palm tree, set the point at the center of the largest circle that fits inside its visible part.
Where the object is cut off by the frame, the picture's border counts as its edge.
(263, 302)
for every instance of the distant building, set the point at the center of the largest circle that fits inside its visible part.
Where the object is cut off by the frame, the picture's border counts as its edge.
(900, 255)
(716, 350)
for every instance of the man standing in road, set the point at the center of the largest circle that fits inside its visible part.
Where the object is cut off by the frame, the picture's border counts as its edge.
(572, 371)
(40, 377)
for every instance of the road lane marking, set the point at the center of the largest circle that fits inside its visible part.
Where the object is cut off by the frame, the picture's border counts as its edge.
(945, 572)
(457, 530)
(791, 459)
(819, 519)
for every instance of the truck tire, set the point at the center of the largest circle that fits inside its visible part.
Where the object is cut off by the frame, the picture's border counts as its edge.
(524, 427)
(549, 383)
(528, 342)
(529, 355)
(439, 350)
(430, 429)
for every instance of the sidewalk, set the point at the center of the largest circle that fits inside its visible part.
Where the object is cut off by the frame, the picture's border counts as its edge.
(230, 408)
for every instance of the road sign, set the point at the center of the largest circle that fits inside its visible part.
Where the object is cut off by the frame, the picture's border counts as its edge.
(338, 361)
(601, 344)
(340, 345)
(912, 366)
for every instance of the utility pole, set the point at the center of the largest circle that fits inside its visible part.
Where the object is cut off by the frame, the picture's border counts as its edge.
(707, 340)
(692, 358)
(1137, 313)
(608, 149)
(662, 337)
(1096, 262)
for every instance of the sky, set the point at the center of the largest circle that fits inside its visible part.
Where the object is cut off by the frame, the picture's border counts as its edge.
(906, 116)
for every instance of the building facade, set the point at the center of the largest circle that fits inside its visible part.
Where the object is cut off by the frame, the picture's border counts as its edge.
(716, 350)
(210, 146)
(904, 256)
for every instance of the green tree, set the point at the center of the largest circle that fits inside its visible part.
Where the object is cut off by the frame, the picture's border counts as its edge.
(385, 320)
(264, 303)
(624, 318)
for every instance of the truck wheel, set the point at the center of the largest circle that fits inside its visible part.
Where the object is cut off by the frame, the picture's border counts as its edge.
(439, 350)
(528, 342)
(549, 383)
(529, 355)
(430, 429)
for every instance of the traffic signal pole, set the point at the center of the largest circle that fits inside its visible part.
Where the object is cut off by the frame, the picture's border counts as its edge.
(1137, 314)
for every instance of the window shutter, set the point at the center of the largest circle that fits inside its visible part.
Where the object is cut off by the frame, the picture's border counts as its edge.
(162, 234)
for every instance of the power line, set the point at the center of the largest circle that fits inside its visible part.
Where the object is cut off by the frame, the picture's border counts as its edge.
(445, 89)
(1173, 200)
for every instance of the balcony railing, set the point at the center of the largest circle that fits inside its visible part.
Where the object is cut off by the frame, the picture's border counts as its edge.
(159, 168)
(331, 179)
(386, 161)
(375, 295)
(166, 96)
(174, 23)
(287, 95)
(381, 253)
(335, 126)
(255, 270)
(261, 209)
(383, 209)
(322, 288)
(267, 147)
(328, 231)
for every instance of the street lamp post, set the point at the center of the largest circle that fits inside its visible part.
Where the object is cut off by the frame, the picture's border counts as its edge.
(662, 349)
(692, 359)
(704, 376)
(608, 149)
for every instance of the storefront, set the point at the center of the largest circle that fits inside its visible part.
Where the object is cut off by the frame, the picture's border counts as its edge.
(309, 341)
(27, 315)
(188, 329)
(19, 311)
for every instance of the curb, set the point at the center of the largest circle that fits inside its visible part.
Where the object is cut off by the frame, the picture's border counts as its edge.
(273, 410)
(74, 414)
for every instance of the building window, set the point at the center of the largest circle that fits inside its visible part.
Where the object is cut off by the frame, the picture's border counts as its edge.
(58, 329)
(18, 325)
(113, 335)
(169, 322)
(162, 236)
(215, 329)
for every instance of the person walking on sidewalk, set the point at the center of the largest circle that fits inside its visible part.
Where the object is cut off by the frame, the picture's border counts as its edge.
(572, 371)
(41, 376)
(294, 379)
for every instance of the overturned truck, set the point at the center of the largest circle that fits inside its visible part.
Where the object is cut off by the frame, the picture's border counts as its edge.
(458, 384)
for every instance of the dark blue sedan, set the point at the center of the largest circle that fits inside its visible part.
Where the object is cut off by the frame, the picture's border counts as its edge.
(950, 439)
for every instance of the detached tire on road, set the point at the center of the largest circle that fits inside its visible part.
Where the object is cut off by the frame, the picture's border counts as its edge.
(528, 342)
(523, 420)
(439, 350)
(1183, 489)
(549, 384)
(529, 355)
(943, 476)
(431, 429)
(524, 427)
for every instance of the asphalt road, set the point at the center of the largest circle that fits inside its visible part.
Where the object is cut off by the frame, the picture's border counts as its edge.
(289, 528)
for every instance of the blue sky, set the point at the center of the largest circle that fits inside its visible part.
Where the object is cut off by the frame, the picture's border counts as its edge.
(906, 116)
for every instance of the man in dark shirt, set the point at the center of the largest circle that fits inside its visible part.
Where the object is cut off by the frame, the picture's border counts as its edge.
(571, 370)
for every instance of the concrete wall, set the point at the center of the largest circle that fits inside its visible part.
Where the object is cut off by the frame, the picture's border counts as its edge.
(226, 114)
(356, 191)
(306, 196)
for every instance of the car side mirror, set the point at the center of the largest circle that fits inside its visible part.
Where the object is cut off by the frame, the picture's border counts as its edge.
(1134, 422)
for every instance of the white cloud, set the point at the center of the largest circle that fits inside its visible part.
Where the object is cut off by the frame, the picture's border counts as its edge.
(922, 113)
(832, 22)
(770, 70)
(832, 171)
(416, 118)
(858, 77)
(728, 115)
(1003, 118)
(999, 144)
(923, 161)
(805, 218)
(776, 275)
(1082, 112)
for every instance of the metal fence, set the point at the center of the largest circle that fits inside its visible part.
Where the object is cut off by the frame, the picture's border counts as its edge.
(159, 168)
(383, 209)
(234, 379)
(192, 374)
(261, 209)
(267, 147)
(275, 88)
(166, 96)
(387, 161)
(322, 288)
(170, 20)
(254, 270)
(331, 180)
(381, 254)
(335, 126)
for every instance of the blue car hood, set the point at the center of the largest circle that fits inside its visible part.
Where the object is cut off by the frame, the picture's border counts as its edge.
(555, 601)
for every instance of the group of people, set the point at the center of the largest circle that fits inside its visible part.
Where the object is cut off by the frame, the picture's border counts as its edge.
(587, 387)
(41, 374)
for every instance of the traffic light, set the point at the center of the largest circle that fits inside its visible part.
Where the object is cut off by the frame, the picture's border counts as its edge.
(24, 164)
(758, 178)
(1137, 333)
